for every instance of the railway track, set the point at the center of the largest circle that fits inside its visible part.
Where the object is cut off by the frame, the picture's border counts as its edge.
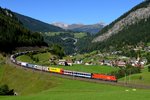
(124, 84)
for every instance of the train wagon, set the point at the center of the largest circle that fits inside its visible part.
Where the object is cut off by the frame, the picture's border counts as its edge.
(45, 68)
(38, 67)
(30, 65)
(24, 64)
(68, 72)
(12, 58)
(56, 70)
(82, 74)
(104, 77)
(78, 74)
(18, 63)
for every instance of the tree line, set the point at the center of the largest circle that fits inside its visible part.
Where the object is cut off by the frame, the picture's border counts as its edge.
(126, 71)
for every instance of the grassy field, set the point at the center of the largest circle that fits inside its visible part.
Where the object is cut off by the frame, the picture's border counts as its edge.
(24, 81)
(1, 71)
(76, 35)
(43, 60)
(80, 35)
(40, 86)
(141, 78)
(2, 61)
(52, 33)
(90, 68)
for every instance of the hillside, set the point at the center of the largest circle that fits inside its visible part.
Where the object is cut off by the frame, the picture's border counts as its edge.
(140, 78)
(13, 34)
(92, 29)
(69, 40)
(133, 17)
(129, 29)
(36, 25)
(22, 82)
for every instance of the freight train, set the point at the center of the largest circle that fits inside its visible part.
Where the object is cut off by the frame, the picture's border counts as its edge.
(60, 70)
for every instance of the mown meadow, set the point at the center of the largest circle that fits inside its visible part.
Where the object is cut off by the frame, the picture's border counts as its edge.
(32, 85)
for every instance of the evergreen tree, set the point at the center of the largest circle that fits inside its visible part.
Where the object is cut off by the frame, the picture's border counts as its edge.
(4, 90)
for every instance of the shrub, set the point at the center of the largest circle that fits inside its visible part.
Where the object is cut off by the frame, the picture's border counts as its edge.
(4, 90)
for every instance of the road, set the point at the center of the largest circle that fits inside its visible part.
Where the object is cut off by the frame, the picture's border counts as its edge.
(76, 40)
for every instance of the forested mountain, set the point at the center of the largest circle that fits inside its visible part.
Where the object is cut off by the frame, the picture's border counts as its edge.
(133, 17)
(131, 28)
(92, 29)
(13, 34)
(36, 25)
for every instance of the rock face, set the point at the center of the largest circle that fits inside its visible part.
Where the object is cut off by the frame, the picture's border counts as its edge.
(132, 18)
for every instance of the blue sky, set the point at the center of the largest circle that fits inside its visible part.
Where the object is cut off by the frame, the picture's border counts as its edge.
(71, 11)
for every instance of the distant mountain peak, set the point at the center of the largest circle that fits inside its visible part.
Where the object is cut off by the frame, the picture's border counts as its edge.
(101, 23)
(60, 24)
(93, 28)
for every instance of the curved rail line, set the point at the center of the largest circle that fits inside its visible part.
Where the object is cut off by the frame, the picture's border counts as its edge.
(9, 60)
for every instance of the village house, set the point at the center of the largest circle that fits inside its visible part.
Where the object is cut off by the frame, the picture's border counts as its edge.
(88, 63)
(105, 62)
(121, 63)
(69, 63)
(78, 62)
(63, 62)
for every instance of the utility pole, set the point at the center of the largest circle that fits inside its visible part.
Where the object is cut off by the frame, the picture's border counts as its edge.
(129, 75)
(125, 79)
(73, 75)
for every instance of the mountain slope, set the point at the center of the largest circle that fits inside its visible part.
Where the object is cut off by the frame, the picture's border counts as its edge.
(36, 25)
(13, 34)
(133, 17)
(131, 29)
(69, 40)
